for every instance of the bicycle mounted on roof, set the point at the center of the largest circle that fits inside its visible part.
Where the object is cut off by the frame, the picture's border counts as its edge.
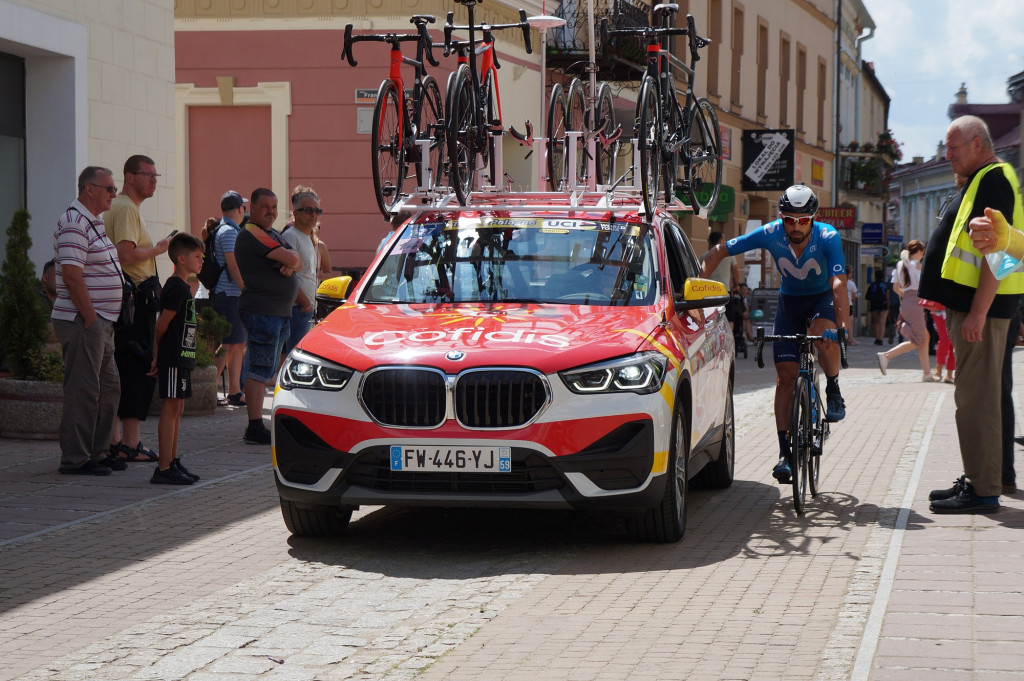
(669, 134)
(404, 132)
(473, 102)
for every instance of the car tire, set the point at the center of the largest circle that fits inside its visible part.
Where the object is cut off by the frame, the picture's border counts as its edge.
(315, 521)
(666, 522)
(719, 474)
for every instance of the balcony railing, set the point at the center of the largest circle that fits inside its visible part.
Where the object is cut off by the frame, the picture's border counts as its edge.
(570, 44)
(866, 172)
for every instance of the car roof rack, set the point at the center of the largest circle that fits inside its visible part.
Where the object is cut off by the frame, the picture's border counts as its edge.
(621, 197)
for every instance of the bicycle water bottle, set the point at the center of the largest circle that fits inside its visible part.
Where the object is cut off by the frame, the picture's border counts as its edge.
(1001, 262)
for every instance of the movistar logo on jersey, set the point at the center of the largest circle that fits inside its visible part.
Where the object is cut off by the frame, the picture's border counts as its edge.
(789, 268)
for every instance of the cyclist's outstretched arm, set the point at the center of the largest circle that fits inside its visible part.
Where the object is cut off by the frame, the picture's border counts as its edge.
(841, 302)
(712, 259)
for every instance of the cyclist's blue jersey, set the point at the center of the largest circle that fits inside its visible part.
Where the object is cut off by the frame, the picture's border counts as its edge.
(821, 260)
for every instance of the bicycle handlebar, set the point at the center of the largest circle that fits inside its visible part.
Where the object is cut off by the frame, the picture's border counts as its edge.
(654, 33)
(799, 338)
(487, 29)
(421, 36)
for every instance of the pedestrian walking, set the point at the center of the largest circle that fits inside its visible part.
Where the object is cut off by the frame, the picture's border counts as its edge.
(905, 281)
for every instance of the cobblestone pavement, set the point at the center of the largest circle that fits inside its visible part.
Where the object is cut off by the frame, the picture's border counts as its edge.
(113, 578)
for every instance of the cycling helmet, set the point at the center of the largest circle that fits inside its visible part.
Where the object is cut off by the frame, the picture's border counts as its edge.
(798, 199)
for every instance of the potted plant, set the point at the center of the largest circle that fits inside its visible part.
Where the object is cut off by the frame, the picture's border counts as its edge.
(31, 398)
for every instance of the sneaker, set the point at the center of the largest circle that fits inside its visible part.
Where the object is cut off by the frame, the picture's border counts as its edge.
(835, 407)
(1009, 488)
(959, 485)
(782, 472)
(257, 437)
(883, 362)
(88, 468)
(171, 476)
(966, 502)
(878, 341)
(177, 465)
(114, 462)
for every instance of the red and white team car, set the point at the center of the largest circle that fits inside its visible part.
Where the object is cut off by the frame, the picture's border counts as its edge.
(514, 355)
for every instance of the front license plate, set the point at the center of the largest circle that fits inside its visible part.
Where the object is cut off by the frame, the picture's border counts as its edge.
(465, 459)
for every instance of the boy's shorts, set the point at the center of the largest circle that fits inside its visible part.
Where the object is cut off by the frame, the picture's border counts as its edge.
(175, 383)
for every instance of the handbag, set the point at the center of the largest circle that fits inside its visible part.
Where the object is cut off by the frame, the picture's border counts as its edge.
(930, 305)
(149, 293)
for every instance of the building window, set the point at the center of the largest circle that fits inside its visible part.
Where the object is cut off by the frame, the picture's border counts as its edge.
(762, 67)
(12, 137)
(801, 86)
(784, 50)
(737, 57)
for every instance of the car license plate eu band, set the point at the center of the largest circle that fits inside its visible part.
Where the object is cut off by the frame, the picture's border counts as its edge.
(466, 459)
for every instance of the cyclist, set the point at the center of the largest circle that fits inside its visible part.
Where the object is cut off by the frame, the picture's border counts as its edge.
(812, 299)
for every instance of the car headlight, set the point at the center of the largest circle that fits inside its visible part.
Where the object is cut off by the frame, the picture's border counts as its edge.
(642, 373)
(303, 370)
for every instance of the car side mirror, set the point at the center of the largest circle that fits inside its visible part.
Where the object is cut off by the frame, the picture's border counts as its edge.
(330, 295)
(699, 292)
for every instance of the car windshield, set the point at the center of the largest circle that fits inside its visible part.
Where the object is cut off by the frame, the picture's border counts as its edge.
(518, 259)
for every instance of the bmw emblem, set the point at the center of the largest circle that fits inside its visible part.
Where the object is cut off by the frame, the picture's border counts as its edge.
(454, 355)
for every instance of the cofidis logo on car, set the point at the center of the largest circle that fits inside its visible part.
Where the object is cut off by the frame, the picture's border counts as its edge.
(465, 335)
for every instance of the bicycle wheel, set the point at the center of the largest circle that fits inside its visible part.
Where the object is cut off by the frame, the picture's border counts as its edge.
(604, 117)
(799, 441)
(576, 113)
(703, 157)
(672, 134)
(818, 426)
(648, 137)
(461, 128)
(387, 150)
(429, 120)
(557, 120)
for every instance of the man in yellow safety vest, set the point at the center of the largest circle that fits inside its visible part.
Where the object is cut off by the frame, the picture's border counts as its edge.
(978, 308)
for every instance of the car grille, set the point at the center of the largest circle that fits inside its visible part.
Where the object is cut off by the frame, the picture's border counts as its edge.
(413, 398)
(417, 398)
(498, 398)
(530, 472)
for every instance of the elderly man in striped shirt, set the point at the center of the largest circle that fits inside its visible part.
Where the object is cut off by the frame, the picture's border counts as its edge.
(89, 292)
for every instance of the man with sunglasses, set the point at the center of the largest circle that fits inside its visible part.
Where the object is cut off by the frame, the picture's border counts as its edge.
(812, 300)
(299, 235)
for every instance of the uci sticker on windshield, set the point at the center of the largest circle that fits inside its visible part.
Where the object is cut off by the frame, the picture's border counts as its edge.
(427, 229)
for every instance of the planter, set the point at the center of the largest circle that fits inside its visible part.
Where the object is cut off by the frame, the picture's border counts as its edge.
(204, 394)
(30, 410)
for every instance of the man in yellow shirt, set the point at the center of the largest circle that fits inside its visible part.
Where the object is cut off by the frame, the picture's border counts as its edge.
(133, 348)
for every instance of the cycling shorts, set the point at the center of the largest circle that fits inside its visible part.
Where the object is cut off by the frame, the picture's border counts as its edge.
(794, 315)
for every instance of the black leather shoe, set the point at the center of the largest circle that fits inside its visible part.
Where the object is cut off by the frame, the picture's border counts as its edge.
(114, 463)
(966, 502)
(88, 468)
(959, 486)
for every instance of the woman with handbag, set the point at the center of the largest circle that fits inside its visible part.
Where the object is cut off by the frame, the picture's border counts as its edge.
(905, 279)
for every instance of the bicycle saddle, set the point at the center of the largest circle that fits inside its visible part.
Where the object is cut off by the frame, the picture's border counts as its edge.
(665, 7)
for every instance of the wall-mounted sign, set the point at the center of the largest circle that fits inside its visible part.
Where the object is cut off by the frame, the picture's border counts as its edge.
(840, 218)
(871, 233)
(817, 173)
(768, 157)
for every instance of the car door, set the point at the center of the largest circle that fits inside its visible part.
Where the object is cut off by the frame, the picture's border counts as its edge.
(703, 341)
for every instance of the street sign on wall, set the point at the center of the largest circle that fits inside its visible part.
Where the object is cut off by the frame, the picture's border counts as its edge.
(840, 218)
(871, 233)
(768, 157)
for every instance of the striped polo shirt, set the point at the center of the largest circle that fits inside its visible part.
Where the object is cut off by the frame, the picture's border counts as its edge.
(76, 242)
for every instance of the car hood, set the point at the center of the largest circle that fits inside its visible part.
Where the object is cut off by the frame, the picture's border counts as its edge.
(454, 337)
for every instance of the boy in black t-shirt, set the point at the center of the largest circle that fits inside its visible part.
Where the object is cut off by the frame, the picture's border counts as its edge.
(175, 355)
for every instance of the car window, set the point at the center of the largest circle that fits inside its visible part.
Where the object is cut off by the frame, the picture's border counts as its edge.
(681, 260)
(521, 259)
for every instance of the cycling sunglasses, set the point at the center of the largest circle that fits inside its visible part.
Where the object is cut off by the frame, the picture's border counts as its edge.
(803, 220)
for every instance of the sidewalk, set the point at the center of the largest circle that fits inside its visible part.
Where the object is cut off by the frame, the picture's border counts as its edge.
(868, 585)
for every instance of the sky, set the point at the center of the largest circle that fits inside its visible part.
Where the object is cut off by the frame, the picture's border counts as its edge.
(924, 49)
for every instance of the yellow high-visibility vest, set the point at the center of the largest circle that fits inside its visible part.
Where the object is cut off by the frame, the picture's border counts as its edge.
(962, 262)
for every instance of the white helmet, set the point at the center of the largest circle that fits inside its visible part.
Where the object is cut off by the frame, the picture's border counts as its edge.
(798, 199)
